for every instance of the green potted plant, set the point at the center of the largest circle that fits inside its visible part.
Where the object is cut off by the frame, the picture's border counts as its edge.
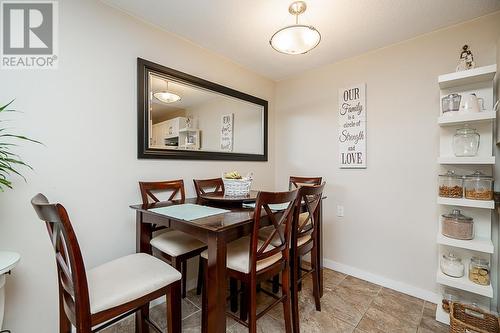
(9, 161)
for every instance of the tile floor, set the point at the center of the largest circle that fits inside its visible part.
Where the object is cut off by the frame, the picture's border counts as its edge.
(349, 305)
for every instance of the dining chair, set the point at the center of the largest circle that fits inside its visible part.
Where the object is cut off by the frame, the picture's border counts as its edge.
(304, 240)
(296, 182)
(252, 260)
(203, 186)
(174, 246)
(91, 300)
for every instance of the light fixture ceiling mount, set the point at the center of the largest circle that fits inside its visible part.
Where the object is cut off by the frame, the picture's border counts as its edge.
(297, 38)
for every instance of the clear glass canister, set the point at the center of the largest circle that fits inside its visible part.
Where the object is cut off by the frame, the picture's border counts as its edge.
(479, 271)
(458, 226)
(452, 266)
(451, 185)
(450, 102)
(466, 142)
(478, 186)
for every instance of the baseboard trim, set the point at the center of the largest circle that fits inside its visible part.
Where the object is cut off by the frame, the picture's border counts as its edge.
(383, 281)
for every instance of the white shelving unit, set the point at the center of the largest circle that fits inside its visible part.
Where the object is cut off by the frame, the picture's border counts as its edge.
(480, 74)
(479, 160)
(481, 82)
(469, 118)
(488, 204)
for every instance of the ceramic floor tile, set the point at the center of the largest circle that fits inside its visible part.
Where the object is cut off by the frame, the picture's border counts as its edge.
(428, 323)
(331, 279)
(265, 324)
(326, 320)
(343, 306)
(158, 313)
(377, 321)
(126, 325)
(399, 305)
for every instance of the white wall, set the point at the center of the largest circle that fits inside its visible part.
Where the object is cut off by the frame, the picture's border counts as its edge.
(247, 124)
(388, 233)
(85, 114)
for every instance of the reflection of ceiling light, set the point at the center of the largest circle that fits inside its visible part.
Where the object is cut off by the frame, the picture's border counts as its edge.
(167, 96)
(297, 38)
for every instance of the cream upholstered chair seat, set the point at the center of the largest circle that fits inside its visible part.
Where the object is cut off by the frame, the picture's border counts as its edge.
(126, 279)
(238, 256)
(176, 243)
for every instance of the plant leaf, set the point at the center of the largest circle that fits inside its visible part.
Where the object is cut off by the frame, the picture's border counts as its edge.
(4, 108)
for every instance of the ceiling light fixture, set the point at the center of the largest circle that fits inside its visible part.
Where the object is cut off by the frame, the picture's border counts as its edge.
(167, 96)
(297, 38)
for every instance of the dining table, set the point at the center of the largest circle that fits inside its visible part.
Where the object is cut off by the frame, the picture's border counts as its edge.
(216, 231)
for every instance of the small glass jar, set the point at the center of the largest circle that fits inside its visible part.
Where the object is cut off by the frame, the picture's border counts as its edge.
(466, 142)
(452, 266)
(451, 185)
(478, 186)
(458, 226)
(450, 102)
(479, 271)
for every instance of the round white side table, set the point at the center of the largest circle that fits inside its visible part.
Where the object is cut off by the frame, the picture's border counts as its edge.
(8, 260)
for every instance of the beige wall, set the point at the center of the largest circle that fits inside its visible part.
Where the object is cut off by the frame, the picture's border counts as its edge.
(85, 114)
(388, 233)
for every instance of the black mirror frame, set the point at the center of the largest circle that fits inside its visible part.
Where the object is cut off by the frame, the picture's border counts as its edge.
(143, 149)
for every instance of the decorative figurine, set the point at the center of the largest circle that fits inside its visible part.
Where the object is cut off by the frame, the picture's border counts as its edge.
(466, 60)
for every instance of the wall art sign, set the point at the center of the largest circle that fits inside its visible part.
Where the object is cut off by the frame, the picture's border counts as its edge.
(226, 132)
(352, 127)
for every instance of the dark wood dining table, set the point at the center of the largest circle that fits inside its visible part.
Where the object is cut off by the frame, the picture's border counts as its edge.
(216, 231)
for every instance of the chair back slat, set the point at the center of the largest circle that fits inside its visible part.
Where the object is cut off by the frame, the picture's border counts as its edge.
(310, 197)
(70, 266)
(204, 186)
(279, 222)
(174, 187)
(296, 182)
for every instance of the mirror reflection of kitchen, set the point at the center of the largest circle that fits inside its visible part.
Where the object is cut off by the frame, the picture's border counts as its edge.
(184, 117)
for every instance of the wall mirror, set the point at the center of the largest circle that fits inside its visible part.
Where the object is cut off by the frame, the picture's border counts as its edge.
(181, 116)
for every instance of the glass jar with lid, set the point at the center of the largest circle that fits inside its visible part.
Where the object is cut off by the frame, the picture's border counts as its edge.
(479, 271)
(450, 102)
(466, 142)
(478, 186)
(458, 226)
(451, 185)
(452, 266)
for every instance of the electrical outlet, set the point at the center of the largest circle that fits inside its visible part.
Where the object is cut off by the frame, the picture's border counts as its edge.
(340, 211)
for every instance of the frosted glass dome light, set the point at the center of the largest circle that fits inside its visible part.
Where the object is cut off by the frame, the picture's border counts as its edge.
(297, 38)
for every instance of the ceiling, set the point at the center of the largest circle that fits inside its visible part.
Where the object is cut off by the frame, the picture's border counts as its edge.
(240, 30)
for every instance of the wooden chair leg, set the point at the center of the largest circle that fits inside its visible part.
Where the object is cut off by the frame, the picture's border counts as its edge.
(285, 282)
(315, 277)
(64, 323)
(294, 295)
(184, 277)
(204, 298)
(177, 264)
(233, 294)
(299, 272)
(174, 319)
(276, 284)
(244, 301)
(200, 276)
(141, 326)
(252, 307)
